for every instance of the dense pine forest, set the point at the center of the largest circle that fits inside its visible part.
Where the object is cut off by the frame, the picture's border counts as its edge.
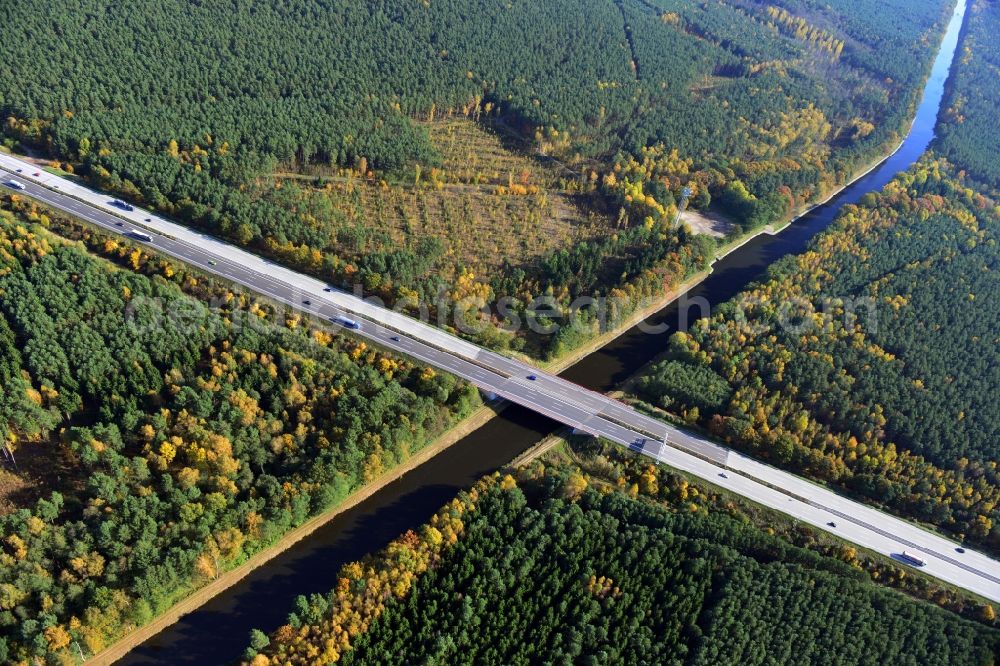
(873, 359)
(967, 134)
(869, 361)
(456, 152)
(158, 442)
(206, 111)
(551, 569)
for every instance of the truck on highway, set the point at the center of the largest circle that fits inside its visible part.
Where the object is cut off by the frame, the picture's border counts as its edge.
(16, 184)
(124, 205)
(141, 235)
(910, 558)
(345, 321)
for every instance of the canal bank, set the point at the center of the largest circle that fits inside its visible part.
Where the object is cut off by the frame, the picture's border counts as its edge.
(217, 631)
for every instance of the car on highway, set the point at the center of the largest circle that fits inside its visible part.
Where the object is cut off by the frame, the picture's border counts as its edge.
(532, 377)
(307, 302)
(20, 170)
(119, 224)
(395, 338)
(832, 524)
(327, 289)
(212, 262)
(959, 549)
(723, 475)
(37, 174)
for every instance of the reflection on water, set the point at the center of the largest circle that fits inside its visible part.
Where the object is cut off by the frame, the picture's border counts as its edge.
(218, 631)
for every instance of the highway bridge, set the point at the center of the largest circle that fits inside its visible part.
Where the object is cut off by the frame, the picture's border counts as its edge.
(517, 381)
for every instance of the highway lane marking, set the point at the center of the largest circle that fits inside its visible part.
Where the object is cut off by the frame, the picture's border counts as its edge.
(478, 373)
(191, 251)
(904, 541)
(897, 539)
(695, 446)
(580, 404)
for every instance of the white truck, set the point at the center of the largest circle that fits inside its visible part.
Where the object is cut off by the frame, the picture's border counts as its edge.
(345, 321)
(910, 558)
(16, 184)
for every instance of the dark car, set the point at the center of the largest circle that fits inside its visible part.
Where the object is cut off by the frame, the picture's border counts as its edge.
(723, 475)
(959, 549)
(307, 302)
(532, 377)
(395, 338)
(832, 524)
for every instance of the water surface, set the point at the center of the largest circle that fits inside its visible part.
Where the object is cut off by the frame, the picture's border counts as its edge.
(219, 631)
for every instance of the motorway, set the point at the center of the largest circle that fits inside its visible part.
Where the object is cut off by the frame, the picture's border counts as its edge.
(507, 378)
(568, 403)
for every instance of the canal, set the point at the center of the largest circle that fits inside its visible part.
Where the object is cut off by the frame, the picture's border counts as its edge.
(218, 631)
